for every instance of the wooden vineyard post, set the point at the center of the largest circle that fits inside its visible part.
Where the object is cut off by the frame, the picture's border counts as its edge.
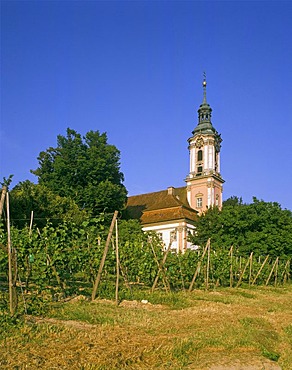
(274, 265)
(98, 277)
(164, 278)
(208, 268)
(30, 225)
(121, 272)
(250, 270)
(117, 264)
(28, 272)
(260, 270)
(243, 271)
(161, 268)
(285, 274)
(276, 271)
(2, 200)
(10, 277)
(231, 266)
(199, 266)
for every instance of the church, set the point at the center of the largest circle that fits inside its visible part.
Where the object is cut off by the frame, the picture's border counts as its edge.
(172, 212)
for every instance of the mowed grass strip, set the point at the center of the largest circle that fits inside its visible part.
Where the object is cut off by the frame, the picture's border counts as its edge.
(198, 330)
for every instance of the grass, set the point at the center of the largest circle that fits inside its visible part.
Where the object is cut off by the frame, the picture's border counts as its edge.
(198, 330)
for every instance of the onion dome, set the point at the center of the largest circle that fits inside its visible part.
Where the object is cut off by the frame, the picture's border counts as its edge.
(204, 115)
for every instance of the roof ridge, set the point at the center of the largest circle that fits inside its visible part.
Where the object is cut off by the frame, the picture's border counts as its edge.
(143, 194)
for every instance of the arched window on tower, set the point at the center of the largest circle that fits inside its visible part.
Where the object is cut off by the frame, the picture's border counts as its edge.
(200, 155)
(217, 201)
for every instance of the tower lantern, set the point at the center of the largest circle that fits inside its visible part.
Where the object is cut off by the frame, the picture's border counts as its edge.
(204, 182)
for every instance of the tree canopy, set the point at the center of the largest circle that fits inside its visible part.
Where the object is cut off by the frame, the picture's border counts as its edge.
(260, 227)
(27, 197)
(84, 169)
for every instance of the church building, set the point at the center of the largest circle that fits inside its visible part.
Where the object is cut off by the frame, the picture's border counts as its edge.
(172, 212)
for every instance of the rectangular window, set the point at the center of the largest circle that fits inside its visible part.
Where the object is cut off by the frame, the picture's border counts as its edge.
(199, 202)
(217, 201)
(199, 171)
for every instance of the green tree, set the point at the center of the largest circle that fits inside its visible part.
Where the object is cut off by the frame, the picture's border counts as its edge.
(26, 197)
(260, 227)
(85, 169)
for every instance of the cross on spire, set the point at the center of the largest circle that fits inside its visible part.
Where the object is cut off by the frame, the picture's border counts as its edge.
(204, 88)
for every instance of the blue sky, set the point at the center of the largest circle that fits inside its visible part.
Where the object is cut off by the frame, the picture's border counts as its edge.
(134, 69)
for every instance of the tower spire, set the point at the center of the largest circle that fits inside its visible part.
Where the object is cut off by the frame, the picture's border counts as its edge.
(204, 112)
(204, 88)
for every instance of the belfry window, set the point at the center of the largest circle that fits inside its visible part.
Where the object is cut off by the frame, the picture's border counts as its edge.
(200, 169)
(199, 202)
(200, 155)
(217, 200)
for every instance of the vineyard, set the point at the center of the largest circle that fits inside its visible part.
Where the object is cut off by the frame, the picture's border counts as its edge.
(117, 263)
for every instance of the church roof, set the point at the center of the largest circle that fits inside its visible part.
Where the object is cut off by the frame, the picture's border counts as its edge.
(160, 206)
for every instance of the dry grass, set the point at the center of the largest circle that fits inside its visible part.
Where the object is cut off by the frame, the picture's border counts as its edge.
(226, 329)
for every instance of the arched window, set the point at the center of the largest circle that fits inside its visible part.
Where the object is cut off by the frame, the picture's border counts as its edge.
(200, 155)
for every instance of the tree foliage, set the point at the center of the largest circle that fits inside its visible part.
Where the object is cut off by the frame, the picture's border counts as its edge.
(84, 169)
(26, 197)
(260, 227)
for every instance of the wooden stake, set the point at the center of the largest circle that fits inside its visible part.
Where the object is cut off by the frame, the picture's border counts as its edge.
(28, 273)
(199, 266)
(285, 274)
(164, 278)
(160, 268)
(10, 279)
(30, 225)
(276, 272)
(274, 265)
(122, 271)
(125, 277)
(98, 277)
(181, 274)
(260, 270)
(117, 264)
(250, 270)
(231, 266)
(2, 200)
(208, 267)
(245, 267)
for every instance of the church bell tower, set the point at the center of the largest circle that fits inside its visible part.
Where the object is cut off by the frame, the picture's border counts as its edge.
(204, 182)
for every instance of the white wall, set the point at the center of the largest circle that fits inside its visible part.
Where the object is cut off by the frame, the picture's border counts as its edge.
(180, 228)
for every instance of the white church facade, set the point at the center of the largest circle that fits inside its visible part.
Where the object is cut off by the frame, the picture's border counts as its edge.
(172, 212)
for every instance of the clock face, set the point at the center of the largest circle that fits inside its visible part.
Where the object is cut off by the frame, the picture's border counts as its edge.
(199, 142)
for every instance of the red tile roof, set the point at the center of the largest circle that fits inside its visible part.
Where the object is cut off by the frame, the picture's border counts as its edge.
(160, 206)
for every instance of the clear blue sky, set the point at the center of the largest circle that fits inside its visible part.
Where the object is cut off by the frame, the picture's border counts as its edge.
(134, 69)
